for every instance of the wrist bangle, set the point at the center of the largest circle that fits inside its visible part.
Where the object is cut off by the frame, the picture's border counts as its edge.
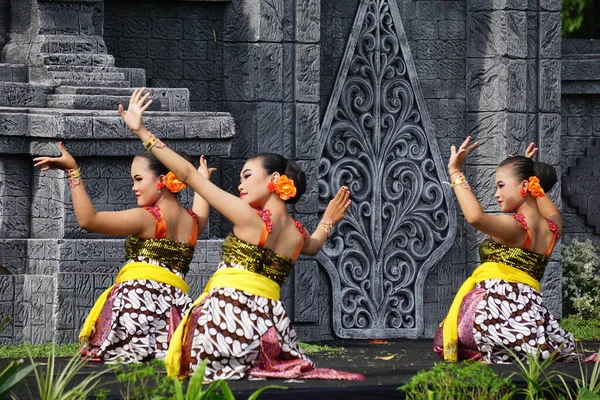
(153, 141)
(455, 172)
(74, 177)
(73, 173)
(328, 226)
(460, 180)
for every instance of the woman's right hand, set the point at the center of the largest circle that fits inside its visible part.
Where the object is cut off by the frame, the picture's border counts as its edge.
(65, 161)
(137, 105)
(458, 157)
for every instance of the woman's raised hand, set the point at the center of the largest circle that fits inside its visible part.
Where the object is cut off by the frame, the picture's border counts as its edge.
(531, 150)
(204, 170)
(337, 207)
(65, 161)
(138, 103)
(458, 157)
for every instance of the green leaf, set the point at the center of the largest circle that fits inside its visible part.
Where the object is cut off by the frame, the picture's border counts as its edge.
(255, 395)
(15, 376)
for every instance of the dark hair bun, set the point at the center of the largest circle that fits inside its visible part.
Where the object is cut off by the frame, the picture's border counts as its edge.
(273, 162)
(546, 174)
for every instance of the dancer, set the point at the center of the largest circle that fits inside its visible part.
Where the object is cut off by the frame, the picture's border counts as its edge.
(499, 309)
(133, 320)
(238, 324)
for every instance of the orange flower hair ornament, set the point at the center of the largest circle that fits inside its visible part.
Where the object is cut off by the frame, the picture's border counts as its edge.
(284, 187)
(535, 188)
(173, 183)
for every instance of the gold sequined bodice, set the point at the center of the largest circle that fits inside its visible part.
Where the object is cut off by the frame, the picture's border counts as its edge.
(534, 264)
(175, 255)
(256, 259)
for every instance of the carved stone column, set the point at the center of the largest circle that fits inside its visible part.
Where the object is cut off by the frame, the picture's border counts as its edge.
(513, 98)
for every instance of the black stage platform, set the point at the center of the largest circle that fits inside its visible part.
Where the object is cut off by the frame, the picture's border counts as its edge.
(383, 375)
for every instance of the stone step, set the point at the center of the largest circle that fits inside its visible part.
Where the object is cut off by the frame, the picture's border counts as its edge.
(171, 99)
(99, 102)
(87, 76)
(81, 69)
(53, 123)
(79, 59)
(19, 94)
(13, 73)
(87, 83)
(78, 44)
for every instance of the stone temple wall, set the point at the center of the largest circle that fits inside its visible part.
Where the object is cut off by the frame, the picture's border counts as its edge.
(483, 68)
(580, 139)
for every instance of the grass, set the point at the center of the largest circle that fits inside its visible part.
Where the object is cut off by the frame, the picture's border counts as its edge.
(37, 350)
(582, 329)
(311, 348)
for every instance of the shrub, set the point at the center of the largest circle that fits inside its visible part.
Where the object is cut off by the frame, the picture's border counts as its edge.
(580, 262)
(450, 381)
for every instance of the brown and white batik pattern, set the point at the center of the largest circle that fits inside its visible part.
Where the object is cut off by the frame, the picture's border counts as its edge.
(137, 320)
(512, 315)
(228, 327)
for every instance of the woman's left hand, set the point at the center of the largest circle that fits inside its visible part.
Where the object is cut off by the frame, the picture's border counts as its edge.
(337, 207)
(204, 170)
(458, 157)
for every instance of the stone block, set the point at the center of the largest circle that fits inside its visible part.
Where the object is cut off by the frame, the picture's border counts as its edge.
(430, 49)
(451, 69)
(490, 129)
(242, 21)
(269, 84)
(305, 291)
(579, 126)
(452, 108)
(424, 30)
(452, 30)
(167, 28)
(550, 5)
(487, 85)
(430, 10)
(427, 69)
(550, 35)
(516, 80)
(307, 130)
(308, 21)
(13, 124)
(497, 33)
(269, 118)
(455, 10)
(307, 73)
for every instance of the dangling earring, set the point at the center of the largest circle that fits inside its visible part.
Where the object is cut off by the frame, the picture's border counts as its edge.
(160, 185)
(271, 187)
(523, 192)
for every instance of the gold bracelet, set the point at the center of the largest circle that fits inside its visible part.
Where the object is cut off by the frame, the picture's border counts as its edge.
(153, 141)
(73, 173)
(460, 180)
(328, 226)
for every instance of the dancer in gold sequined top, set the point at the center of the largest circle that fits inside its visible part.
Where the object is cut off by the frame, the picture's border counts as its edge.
(238, 325)
(499, 311)
(134, 319)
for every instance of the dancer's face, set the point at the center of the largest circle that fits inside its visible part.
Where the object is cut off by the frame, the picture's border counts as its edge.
(145, 183)
(508, 190)
(253, 183)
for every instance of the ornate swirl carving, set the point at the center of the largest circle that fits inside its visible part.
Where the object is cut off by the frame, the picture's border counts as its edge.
(378, 143)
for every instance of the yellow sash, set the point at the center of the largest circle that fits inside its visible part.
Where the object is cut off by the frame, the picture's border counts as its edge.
(129, 272)
(488, 270)
(239, 279)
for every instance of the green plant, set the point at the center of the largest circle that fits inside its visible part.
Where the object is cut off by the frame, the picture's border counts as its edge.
(583, 329)
(11, 375)
(217, 390)
(55, 385)
(465, 380)
(538, 379)
(144, 381)
(572, 15)
(587, 386)
(38, 350)
(580, 263)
